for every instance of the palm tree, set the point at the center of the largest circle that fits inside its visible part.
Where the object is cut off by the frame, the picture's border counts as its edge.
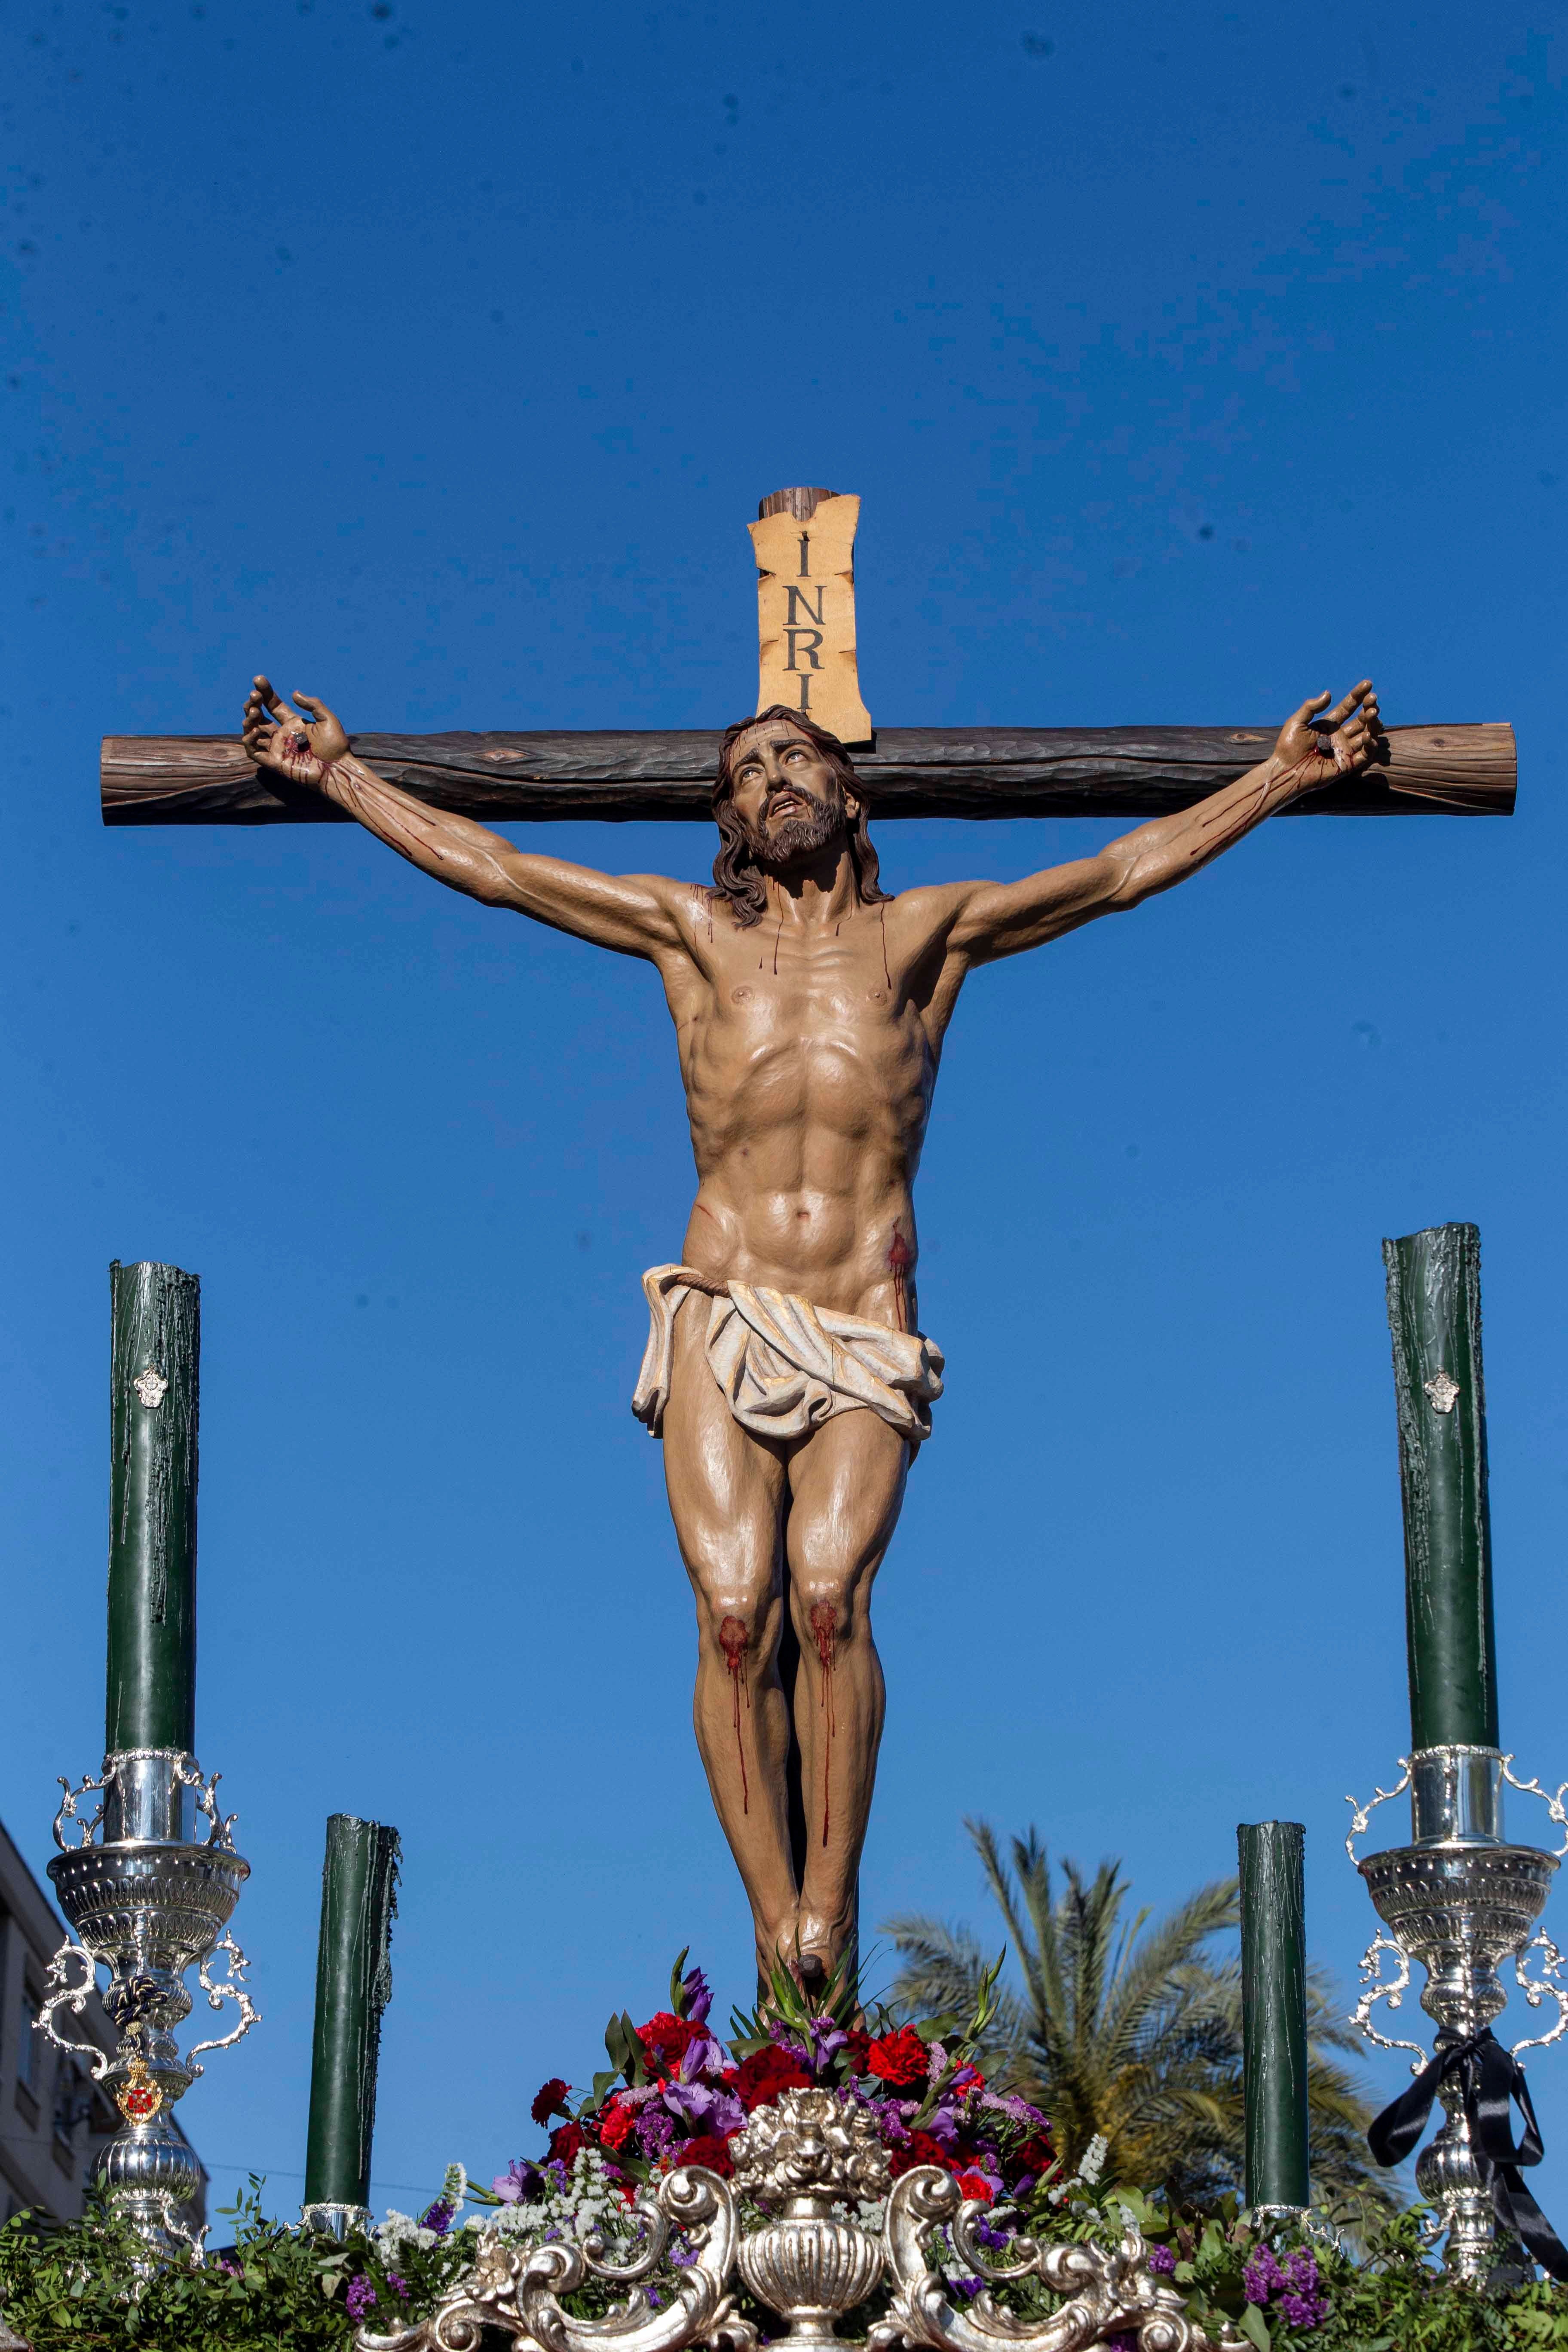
(1131, 2031)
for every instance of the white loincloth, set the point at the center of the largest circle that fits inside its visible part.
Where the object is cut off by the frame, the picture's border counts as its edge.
(784, 1366)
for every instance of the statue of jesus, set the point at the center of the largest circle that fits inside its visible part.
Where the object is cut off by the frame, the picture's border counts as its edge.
(786, 1373)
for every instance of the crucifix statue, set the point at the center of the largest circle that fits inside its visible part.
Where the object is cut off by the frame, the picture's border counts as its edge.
(786, 1371)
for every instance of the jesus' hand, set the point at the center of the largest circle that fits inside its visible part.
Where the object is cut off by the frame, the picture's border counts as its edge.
(1339, 743)
(304, 752)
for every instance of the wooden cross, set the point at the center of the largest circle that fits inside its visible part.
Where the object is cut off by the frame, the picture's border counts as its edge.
(803, 542)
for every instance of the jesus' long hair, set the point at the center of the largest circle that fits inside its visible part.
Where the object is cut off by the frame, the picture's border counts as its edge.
(737, 877)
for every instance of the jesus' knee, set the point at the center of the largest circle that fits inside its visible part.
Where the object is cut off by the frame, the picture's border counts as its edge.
(740, 1618)
(829, 1611)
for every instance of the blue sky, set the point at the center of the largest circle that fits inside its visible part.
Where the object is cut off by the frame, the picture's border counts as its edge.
(1186, 360)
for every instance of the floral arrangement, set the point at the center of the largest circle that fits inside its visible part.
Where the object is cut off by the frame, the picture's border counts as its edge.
(675, 2094)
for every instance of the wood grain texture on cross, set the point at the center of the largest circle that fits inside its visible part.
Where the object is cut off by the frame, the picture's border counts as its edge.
(804, 541)
(977, 771)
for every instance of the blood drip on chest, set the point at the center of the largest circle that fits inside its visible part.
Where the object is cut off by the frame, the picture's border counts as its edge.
(824, 1623)
(733, 1642)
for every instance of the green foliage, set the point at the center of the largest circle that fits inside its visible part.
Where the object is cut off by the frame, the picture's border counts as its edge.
(1127, 2030)
(77, 2287)
(1379, 2289)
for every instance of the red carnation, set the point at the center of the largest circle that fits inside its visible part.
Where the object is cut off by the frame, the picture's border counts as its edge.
(707, 2150)
(856, 2050)
(616, 2125)
(974, 2184)
(565, 2142)
(760, 2079)
(919, 2149)
(550, 2101)
(1035, 2155)
(900, 2058)
(664, 2039)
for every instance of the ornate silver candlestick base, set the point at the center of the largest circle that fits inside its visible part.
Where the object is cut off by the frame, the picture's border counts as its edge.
(1462, 1901)
(148, 1900)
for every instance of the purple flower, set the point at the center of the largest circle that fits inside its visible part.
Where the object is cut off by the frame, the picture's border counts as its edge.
(821, 2041)
(358, 2298)
(1304, 2310)
(1162, 2261)
(826, 2041)
(1008, 2103)
(520, 2184)
(398, 2286)
(697, 2000)
(702, 2055)
(655, 2131)
(235, 2270)
(967, 2286)
(1262, 2275)
(1301, 2273)
(701, 2104)
(438, 2217)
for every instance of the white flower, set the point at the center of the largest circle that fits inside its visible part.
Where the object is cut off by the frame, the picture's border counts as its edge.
(1093, 2163)
(454, 2188)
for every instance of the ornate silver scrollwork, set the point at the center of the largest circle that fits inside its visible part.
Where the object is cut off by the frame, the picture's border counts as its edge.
(798, 2159)
(230, 1987)
(68, 1812)
(801, 2167)
(1109, 2289)
(516, 2290)
(220, 1834)
(1546, 1987)
(809, 2144)
(62, 1994)
(1556, 1809)
(1389, 1989)
(151, 1386)
(1361, 1814)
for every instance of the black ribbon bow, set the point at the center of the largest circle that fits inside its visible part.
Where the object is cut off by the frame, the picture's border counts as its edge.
(1490, 2078)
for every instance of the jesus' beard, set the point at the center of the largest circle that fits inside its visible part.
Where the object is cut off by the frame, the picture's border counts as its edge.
(798, 837)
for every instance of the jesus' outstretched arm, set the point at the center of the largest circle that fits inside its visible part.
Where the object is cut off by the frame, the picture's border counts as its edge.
(637, 914)
(1002, 919)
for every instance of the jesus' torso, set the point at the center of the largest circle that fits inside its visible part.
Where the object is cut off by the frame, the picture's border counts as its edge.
(809, 1056)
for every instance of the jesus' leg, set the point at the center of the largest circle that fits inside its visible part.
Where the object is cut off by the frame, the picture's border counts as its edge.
(726, 1497)
(846, 1483)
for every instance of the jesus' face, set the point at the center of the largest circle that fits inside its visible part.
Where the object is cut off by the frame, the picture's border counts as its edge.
(786, 795)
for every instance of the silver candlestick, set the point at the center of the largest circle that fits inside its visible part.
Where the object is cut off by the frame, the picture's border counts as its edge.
(1461, 1900)
(148, 1900)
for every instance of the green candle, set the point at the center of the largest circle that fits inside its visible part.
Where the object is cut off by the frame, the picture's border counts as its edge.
(1274, 2012)
(154, 1362)
(1435, 1316)
(353, 1985)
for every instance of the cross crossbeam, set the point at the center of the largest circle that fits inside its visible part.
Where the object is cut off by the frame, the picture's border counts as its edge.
(910, 771)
